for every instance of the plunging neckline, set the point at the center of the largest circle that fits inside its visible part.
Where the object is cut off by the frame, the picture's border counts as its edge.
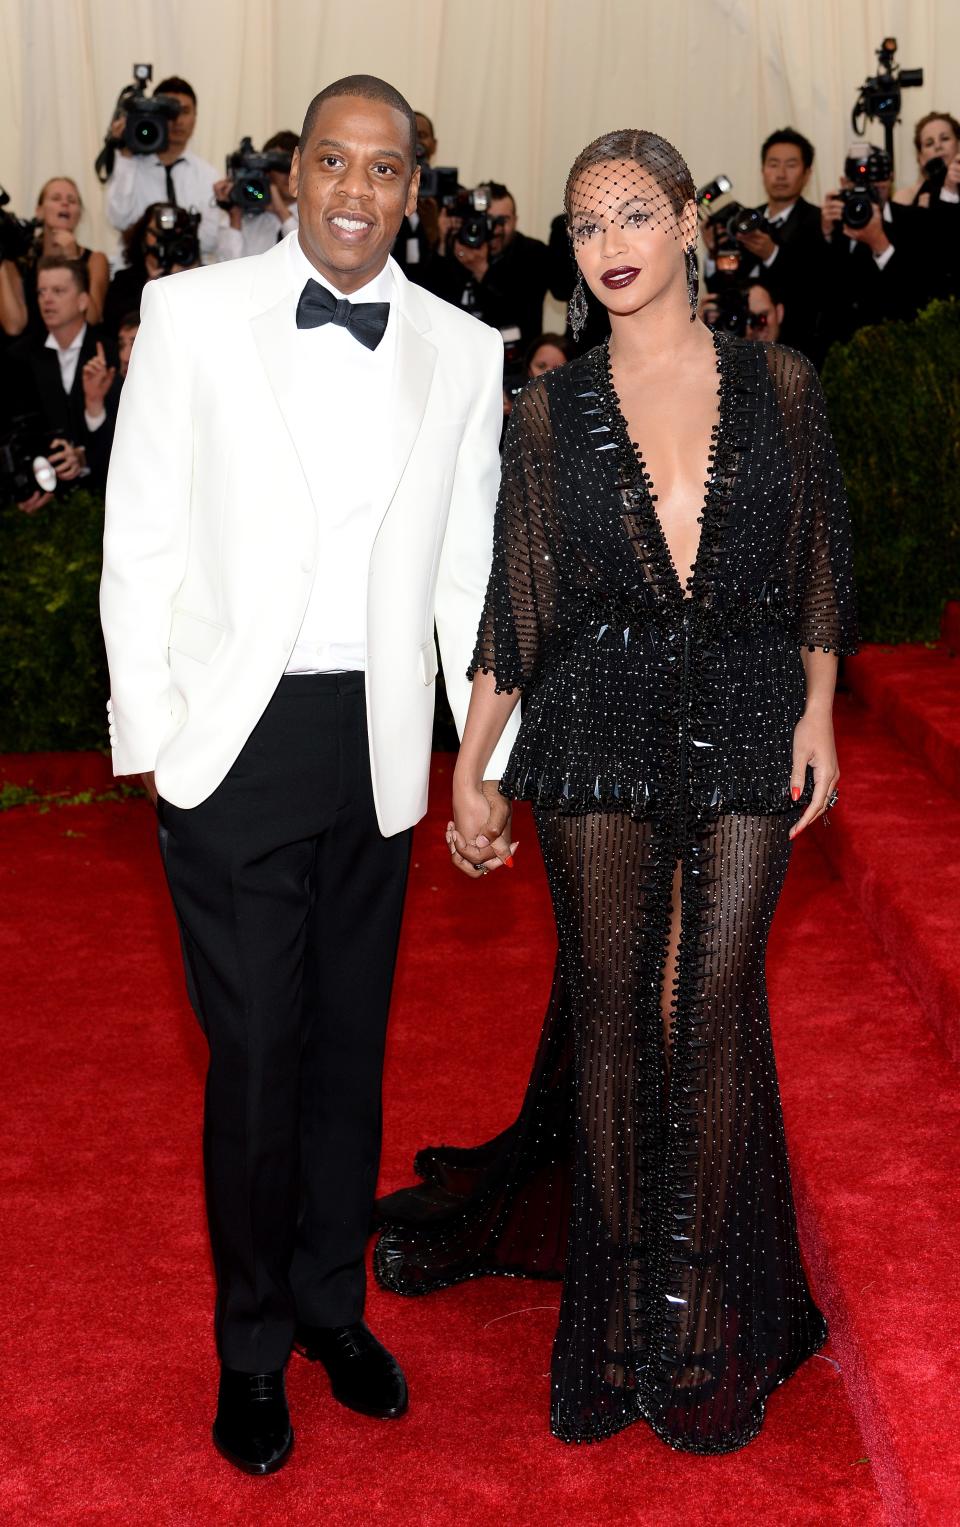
(631, 451)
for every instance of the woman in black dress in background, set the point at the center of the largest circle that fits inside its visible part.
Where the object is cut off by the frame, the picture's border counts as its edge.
(670, 591)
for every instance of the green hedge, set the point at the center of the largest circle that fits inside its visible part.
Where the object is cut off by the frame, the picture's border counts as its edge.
(894, 398)
(53, 670)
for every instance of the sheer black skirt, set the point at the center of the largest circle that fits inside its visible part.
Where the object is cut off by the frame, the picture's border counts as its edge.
(648, 1167)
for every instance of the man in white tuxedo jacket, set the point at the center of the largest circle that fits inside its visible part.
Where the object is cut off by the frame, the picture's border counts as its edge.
(304, 479)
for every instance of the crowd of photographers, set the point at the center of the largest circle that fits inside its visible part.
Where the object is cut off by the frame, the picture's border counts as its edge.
(783, 270)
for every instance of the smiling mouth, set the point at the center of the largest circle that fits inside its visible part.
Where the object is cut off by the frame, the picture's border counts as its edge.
(622, 276)
(349, 228)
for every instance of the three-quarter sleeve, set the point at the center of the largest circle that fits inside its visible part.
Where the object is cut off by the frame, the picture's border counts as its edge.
(822, 543)
(519, 610)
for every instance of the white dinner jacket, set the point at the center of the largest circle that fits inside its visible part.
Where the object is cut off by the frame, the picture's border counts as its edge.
(211, 531)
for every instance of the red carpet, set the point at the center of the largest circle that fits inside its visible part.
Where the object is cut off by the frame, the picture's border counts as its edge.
(110, 1369)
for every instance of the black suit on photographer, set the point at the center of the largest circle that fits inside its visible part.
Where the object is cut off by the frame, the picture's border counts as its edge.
(492, 270)
(50, 370)
(871, 267)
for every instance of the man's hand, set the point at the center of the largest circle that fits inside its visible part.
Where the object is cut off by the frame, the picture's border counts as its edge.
(150, 785)
(874, 235)
(476, 261)
(97, 381)
(479, 836)
(279, 208)
(221, 195)
(759, 244)
(35, 501)
(952, 182)
(831, 213)
(65, 460)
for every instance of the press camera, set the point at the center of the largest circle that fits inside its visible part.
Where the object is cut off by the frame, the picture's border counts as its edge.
(249, 174)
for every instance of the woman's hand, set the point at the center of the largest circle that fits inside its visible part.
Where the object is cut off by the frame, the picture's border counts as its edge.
(813, 744)
(479, 835)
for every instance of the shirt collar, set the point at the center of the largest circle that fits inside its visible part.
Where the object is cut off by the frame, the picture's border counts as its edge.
(51, 343)
(782, 215)
(379, 289)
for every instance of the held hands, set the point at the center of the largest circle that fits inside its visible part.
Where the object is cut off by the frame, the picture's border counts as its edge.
(479, 835)
(813, 744)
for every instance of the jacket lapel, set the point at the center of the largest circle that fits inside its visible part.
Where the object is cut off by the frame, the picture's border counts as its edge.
(414, 363)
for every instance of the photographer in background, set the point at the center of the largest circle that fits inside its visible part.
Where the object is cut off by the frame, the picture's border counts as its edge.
(501, 275)
(252, 229)
(754, 314)
(419, 236)
(59, 210)
(787, 246)
(927, 213)
(870, 265)
(50, 371)
(175, 175)
(164, 240)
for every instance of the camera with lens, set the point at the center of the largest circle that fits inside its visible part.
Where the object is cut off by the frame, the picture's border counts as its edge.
(175, 239)
(442, 182)
(865, 168)
(146, 127)
(881, 93)
(249, 174)
(728, 309)
(477, 227)
(934, 175)
(24, 467)
(16, 233)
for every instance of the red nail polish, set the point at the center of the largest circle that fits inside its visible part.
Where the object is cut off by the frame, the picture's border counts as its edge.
(795, 792)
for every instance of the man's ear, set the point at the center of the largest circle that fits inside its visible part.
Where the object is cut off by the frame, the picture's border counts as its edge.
(295, 172)
(84, 302)
(413, 191)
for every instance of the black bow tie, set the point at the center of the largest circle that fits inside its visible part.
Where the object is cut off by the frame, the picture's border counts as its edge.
(366, 321)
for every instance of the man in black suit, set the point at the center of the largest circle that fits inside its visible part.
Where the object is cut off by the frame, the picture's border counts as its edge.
(790, 259)
(872, 272)
(50, 371)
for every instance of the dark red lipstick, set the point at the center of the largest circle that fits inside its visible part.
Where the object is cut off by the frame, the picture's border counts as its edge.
(622, 275)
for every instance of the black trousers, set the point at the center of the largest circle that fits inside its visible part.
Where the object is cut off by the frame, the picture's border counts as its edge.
(289, 902)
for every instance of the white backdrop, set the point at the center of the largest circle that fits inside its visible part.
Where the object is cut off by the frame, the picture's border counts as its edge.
(515, 87)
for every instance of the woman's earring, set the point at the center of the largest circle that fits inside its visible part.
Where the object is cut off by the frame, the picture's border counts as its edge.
(577, 308)
(693, 280)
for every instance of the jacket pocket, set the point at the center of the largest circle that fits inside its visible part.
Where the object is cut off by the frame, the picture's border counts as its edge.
(429, 662)
(194, 636)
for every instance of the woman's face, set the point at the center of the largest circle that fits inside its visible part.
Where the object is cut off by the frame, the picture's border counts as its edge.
(938, 140)
(546, 358)
(59, 206)
(627, 238)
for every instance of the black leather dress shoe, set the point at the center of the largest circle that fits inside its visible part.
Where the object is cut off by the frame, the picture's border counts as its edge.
(363, 1374)
(252, 1428)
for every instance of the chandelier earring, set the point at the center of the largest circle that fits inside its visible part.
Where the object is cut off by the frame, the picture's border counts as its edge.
(577, 308)
(693, 280)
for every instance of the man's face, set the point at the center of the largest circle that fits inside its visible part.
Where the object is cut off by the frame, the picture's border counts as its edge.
(502, 208)
(765, 315)
(426, 142)
(181, 128)
(784, 173)
(60, 299)
(281, 179)
(353, 186)
(125, 341)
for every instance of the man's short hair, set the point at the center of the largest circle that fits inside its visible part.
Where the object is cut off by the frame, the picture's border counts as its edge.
(499, 192)
(795, 139)
(369, 88)
(129, 320)
(284, 141)
(767, 290)
(77, 269)
(174, 85)
(428, 121)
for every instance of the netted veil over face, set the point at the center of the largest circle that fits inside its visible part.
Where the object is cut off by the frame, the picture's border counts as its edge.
(639, 185)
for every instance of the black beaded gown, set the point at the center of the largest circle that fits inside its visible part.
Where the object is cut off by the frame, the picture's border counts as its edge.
(648, 1168)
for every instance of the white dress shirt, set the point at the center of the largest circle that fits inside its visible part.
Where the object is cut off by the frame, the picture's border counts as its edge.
(257, 233)
(346, 389)
(139, 180)
(68, 356)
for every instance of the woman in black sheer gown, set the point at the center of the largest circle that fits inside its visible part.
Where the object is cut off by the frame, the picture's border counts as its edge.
(676, 734)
